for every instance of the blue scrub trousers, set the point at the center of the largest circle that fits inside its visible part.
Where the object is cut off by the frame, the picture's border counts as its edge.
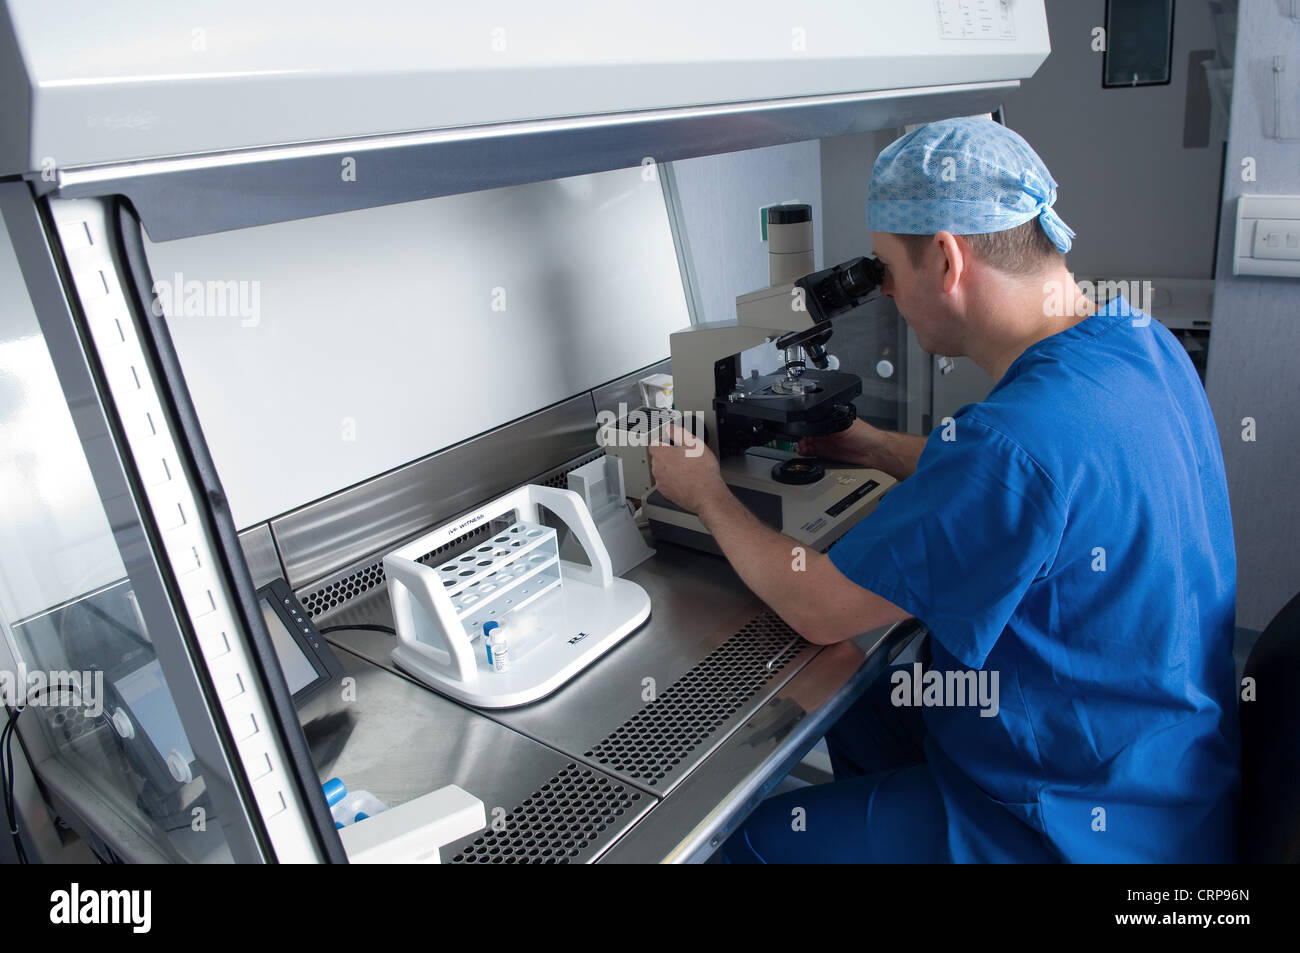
(882, 808)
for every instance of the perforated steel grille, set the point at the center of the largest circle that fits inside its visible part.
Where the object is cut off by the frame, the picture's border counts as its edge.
(566, 820)
(69, 722)
(657, 738)
(368, 577)
(338, 592)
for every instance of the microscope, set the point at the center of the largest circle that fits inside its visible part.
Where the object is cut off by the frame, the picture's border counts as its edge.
(747, 419)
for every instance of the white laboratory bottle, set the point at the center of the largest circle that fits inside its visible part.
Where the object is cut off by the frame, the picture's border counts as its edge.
(500, 651)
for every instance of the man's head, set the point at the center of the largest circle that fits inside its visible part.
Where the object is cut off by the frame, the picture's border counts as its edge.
(961, 213)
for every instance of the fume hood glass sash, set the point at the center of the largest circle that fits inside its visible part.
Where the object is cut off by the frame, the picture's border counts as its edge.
(162, 527)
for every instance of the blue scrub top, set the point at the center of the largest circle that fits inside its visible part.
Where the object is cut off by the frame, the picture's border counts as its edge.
(1071, 533)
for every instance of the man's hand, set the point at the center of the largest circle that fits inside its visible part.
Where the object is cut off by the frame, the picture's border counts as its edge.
(856, 444)
(893, 453)
(686, 472)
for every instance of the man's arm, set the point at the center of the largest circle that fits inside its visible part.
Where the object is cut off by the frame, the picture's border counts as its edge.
(893, 452)
(897, 453)
(802, 586)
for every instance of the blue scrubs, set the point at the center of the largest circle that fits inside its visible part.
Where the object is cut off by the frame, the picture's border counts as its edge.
(1070, 534)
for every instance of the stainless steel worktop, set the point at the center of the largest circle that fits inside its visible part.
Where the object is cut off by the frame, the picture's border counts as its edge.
(395, 739)
(698, 713)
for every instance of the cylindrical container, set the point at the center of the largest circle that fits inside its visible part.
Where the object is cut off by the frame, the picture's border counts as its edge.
(500, 651)
(789, 243)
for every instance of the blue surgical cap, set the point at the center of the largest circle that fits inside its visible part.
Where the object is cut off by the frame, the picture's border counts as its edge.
(966, 176)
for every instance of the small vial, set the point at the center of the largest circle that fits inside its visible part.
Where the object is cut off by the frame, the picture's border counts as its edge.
(500, 651)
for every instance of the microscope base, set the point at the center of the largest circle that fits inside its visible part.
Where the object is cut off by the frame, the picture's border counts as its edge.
(814, 514)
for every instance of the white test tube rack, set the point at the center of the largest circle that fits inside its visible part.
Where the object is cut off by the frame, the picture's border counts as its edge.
(572, 613)
(509, 571)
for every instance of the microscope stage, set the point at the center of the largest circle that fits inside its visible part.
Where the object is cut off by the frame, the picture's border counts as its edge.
(762, 399)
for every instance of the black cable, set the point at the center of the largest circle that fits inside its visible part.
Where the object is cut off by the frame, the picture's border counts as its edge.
(7, 767)
(7, 764)
(4, 766)
(360, 625)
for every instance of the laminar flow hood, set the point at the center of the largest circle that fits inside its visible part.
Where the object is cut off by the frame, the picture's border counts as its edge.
(304, 108)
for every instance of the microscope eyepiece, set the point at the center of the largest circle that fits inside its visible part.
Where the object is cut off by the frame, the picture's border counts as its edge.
(862, 276)
(840, 288)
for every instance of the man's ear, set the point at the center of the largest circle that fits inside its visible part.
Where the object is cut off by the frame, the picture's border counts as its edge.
(954, 259)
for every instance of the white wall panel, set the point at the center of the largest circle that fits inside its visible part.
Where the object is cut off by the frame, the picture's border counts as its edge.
(351, 344)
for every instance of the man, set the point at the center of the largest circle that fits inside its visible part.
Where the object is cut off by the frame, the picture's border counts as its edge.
(1067, 543)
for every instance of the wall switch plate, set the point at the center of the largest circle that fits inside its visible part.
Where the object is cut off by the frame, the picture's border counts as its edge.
(1277, 238)
(1268, 236)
